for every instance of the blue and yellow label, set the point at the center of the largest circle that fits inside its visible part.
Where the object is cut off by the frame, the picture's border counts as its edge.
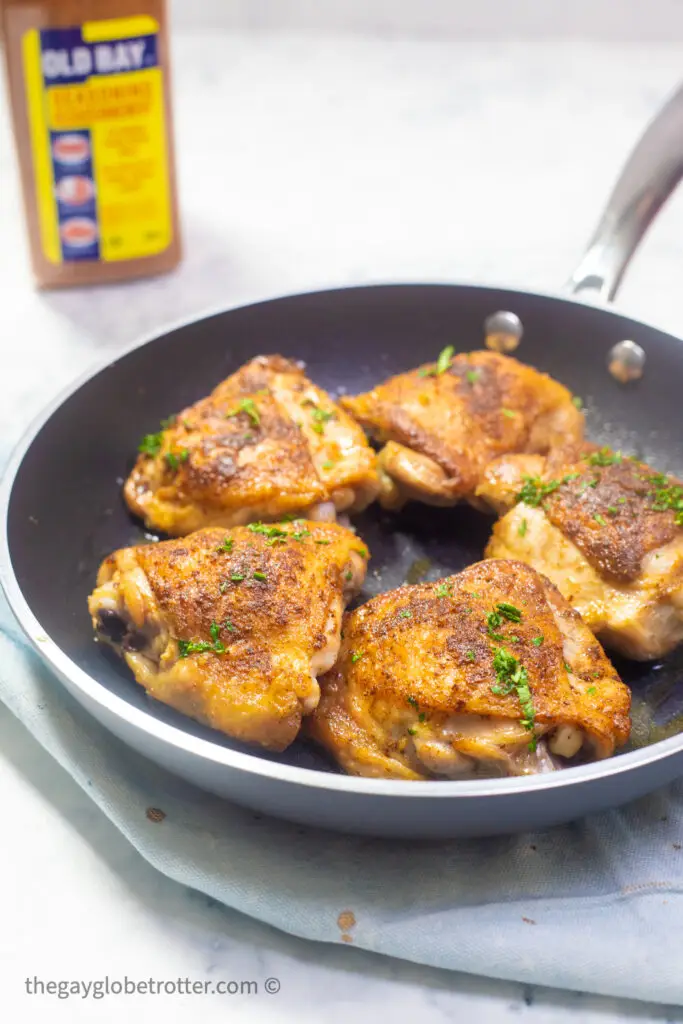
(98, 136)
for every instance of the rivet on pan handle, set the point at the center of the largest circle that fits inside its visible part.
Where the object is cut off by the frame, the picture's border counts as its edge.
(649, 177)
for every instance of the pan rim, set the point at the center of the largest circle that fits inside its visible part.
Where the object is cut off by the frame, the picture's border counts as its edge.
(252, 764)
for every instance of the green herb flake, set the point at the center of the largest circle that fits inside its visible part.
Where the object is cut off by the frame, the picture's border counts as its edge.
(405, 613)
(509, 611)
(261, 576)
(443, 363)
(363, 552)
(172, 461)
(599, 519)
(604, 457)
(151, 444)
(473, 376)
(227, 545)
(237, 577)
(330, 464)
(348, 575)
(567, 667)
(522, 528)
(471, 656)
(323, 542)
(356, 656)
(412, 730)
(187, 647)
(512, 677)
(591, 690)
(538, 641)
(413, 703)
(443, 590)
(509, 413)
(578, 402)
(247, 405)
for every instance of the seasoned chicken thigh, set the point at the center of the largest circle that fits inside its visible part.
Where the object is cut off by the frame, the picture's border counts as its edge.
(489, 672)
(232, 628)
(443, 423)
(265, 444)
(608, 531)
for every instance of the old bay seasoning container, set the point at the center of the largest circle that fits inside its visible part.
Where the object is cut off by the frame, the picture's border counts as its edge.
(89, 90)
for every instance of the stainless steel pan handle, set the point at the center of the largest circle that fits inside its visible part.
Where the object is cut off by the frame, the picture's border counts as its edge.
(651, 174)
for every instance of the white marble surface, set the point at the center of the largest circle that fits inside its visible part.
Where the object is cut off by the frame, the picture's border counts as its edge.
(305, 162)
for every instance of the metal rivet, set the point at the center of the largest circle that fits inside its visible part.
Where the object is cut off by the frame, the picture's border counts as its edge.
(626, 361)
(503, 331)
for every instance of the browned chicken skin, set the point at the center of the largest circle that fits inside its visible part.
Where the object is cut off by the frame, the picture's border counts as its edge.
(443, 423)
(421, 688)
(266, 443)
(232, 628)
(607, 530)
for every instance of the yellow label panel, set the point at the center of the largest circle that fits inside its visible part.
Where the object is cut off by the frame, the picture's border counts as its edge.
(95, 96)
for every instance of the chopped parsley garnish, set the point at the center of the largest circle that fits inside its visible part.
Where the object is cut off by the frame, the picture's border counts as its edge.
(604, 457)
(413, 703)
(412, 730)
(187, 425)
(591, 690)
(666, 496)
(174, 460)
(567, 667)
(443, 590)
(471, 656)
(187, 647)
(168, 422)
(229, 626)
(323, 542)
(511, 676)
(599, 519)
(319, 416)
(473, 376)
(522, 528)
(300, 534)
(237, 577)
(348, 575)
(227, 545)
(356, 656)
(509, 413)
(613, 510)
(493, 621)
(535, 491)
(422, 717)
(578, 402)
(405, 614)
(260, 576)
(330, 464)
(363, 552)
(509, 612)
(443, 363)
(247, 405)
(538, 640)
(274, 534)
(151, 444)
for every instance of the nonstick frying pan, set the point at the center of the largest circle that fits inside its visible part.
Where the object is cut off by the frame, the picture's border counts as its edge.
(62, 512)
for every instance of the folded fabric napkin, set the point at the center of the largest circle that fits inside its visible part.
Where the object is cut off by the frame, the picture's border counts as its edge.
(594, 906)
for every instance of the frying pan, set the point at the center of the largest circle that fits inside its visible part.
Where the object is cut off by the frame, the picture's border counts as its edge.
(62, 512)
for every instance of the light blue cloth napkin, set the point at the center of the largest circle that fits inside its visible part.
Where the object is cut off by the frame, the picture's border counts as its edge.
(595, 906)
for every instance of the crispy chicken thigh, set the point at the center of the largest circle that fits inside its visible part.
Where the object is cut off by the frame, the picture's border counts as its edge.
(489, 672)
(265, 444)
(608, 531)
(232, 628)
(443, 423)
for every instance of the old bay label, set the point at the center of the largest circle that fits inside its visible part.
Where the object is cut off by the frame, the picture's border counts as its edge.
(98, 137)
